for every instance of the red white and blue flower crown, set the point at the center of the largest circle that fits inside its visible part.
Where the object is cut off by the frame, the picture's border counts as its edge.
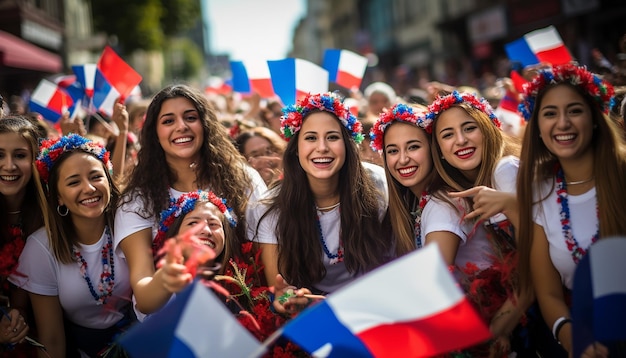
(601, 91)
(185, 204)
(398, 113)
(51, 149)
(441, 104)
(291, 121)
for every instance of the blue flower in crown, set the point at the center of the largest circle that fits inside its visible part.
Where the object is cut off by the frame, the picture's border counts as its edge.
(293, 115)
(601, 91)
(51, 149)
(398, 113)
(443, 103)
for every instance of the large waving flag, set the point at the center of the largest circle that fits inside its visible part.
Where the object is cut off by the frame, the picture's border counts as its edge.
(599, 298)
(118, 73)
(50, 100)
(252, 76)
(411, 307)
(344, 67)
(194, 324)
(543, 45)
(294, 78)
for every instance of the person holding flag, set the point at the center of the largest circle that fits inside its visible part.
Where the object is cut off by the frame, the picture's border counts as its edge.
(570, 188)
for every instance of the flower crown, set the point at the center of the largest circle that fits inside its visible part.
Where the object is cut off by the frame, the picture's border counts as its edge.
(398, 113)
(601, 91)
(444, 103)
(51, 149)
(185, 204)
(291, 121)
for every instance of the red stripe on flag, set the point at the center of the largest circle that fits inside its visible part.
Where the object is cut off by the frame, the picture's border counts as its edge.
(348, 80)
(263, 87)
(455, 328)
(119, 74)
(60, 100)
(518, 81)
(555, 56)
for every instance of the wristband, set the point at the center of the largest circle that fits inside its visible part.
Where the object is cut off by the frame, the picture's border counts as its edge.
(558, 324)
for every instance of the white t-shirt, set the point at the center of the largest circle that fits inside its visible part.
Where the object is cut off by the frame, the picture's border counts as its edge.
(583, 220)
(129, 219)
(474, 247)
(44, 275)
(330, 222)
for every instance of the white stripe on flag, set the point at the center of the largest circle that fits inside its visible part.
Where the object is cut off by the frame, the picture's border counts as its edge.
(432, 283)
(257, 69)
(352, 63)
(607, 264)
(543, 39)
(310, 78)
(44, 92)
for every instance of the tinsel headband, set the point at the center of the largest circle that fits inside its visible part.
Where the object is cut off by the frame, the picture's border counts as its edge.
(441, 104)
(398, 113)
(291, 121)
(601, 91)
(185, 204)
(51, 149)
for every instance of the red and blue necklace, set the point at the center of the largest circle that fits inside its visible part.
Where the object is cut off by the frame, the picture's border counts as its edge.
(334, 258)
(417, 214)
(107, 278)
(562, 199)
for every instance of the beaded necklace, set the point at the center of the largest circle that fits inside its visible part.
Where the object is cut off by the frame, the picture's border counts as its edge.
(572, 245)
(107, 278)
(417, 214)
(334, 258)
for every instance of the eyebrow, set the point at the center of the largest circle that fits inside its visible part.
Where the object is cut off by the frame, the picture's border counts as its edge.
(462, 124)
(185, 112)
(77, 175)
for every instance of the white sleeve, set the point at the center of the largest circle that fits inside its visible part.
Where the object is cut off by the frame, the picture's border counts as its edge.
(266, 233)
(377, 174)
(37, 269)
(505, 174)
(257, 191)
(129, 220)
(440, 216)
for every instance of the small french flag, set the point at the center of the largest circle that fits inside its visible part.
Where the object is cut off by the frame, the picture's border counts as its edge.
(51, 101)
(118, 73)
(86, 76)
(543, 45)
(104, 96)
(252, 76)
(344, 67)
(294, 78)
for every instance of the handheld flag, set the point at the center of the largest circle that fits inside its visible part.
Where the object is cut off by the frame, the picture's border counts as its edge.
(118, 73)
(50, 100)
(217, 85)
(543, 45)
(413, 302)
(252, 76)
(194, 324)
(294, 78)
(86, 76)
(599, 297)
(344, 67)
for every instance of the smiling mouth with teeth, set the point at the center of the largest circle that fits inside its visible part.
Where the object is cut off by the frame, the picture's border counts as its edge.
(9, 177)
(208, 243)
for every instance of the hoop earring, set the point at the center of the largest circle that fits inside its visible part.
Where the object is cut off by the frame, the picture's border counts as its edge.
(67, 211)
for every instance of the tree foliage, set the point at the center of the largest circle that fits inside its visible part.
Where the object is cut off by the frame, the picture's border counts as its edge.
(144, 24)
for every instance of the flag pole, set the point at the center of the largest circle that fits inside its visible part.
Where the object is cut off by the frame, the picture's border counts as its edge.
(266, 344)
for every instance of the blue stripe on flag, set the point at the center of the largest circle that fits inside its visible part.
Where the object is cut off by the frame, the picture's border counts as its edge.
(180, 349)
(240, 80)
(519, 50)
(283, 74)
(609, 316)
(45, 112)
(318, 329)
(331, 63)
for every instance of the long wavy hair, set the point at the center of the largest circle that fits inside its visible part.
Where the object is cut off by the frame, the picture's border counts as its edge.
(401, 200)
(221, 166)
(30, 207)
(537, 164)
(299, 250)
(61, 232)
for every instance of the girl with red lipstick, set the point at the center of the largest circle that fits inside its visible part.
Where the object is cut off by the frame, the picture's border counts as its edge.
(472, 227)
(571, 186)
(405, 148)
(20, 216)
(320, 228)
(78, 285)
(183, 148)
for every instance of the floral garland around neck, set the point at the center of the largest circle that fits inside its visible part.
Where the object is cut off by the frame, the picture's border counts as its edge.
(11, 250)
(334, 258)
(572, 245)
(417, 214)
(107, 278)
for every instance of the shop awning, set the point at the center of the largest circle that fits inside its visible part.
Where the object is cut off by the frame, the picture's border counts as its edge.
(15, 52)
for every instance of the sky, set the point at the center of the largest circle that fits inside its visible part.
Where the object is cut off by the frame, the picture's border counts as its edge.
(253, 28)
